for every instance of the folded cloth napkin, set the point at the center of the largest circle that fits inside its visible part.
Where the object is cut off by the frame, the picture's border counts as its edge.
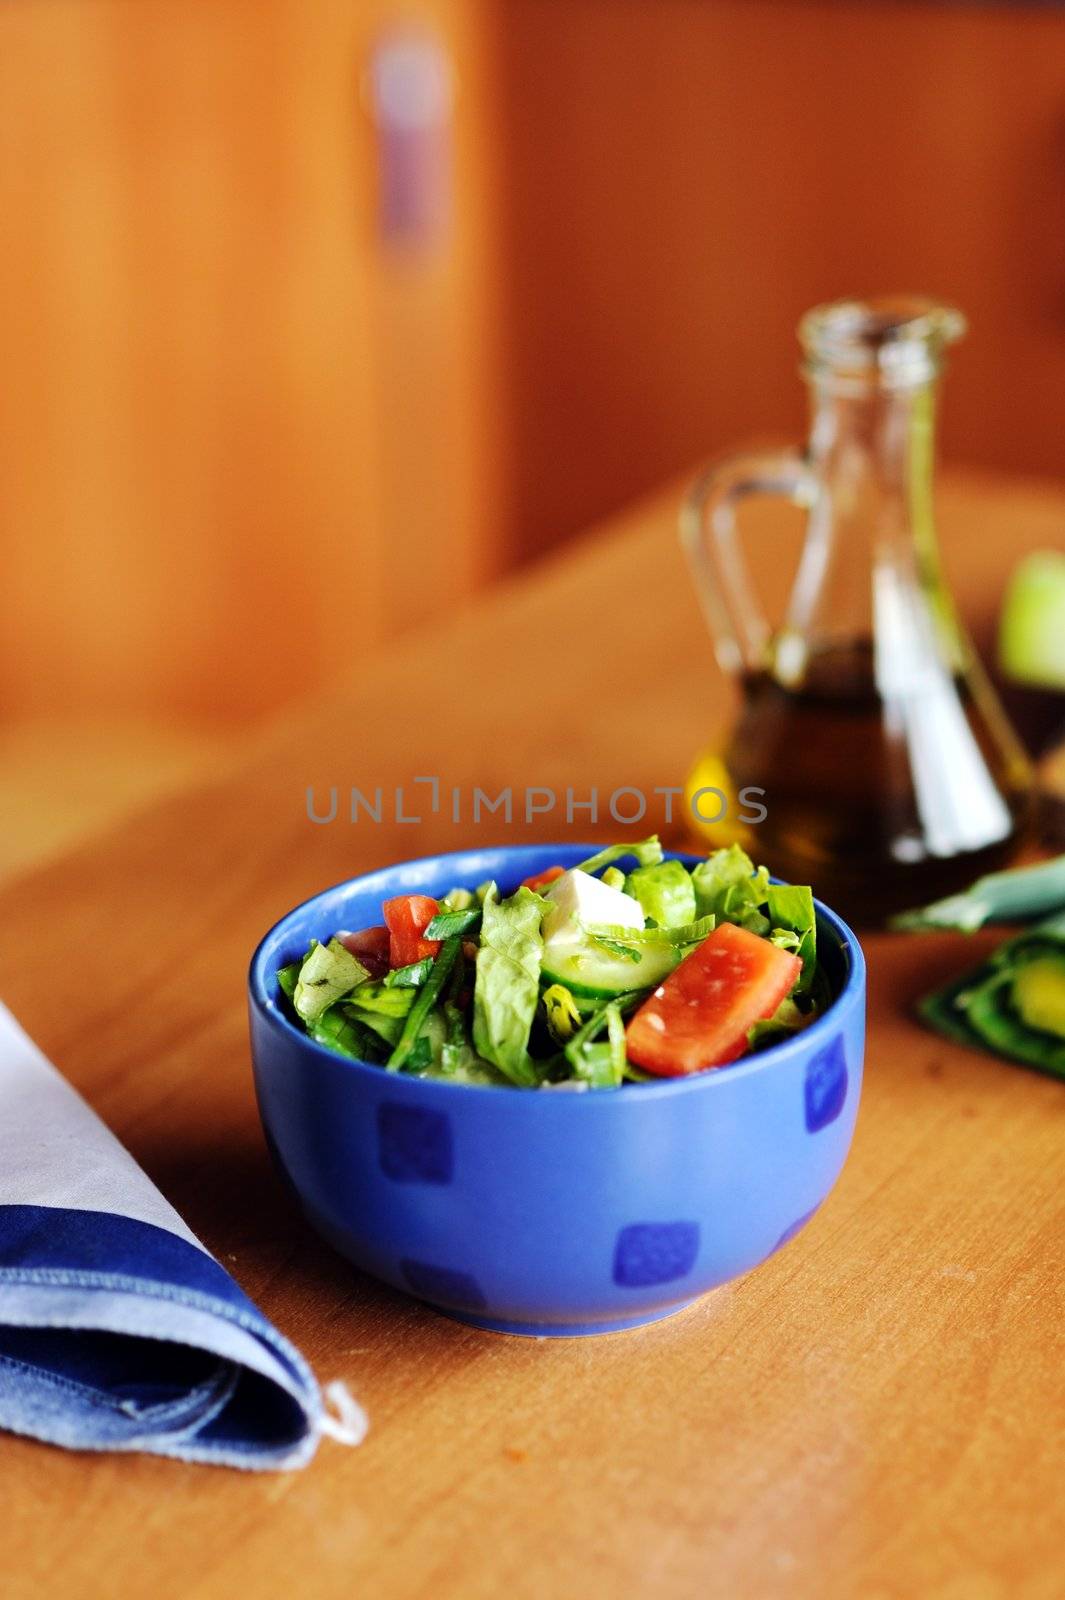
(118, 1331)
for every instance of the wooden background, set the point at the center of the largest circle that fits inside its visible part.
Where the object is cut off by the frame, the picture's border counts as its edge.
(244, 438)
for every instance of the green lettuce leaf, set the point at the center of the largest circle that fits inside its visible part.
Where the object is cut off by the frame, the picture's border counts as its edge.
(329, 971)
(506, 988)
(665, 892)
(790, 909)
(728, 887)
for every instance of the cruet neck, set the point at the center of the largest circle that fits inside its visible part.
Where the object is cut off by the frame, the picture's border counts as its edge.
(863, 348)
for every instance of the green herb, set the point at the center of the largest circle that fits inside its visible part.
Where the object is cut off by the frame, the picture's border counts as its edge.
(427, 997)
(614, 946)
(507, 985)
(447, 923)
(409, 977)
(665, 892)
(328, 972)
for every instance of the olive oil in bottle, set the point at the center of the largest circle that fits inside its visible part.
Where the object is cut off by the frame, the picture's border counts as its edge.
(889, 772)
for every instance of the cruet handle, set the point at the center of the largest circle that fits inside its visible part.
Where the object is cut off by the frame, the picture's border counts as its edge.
(708, 532)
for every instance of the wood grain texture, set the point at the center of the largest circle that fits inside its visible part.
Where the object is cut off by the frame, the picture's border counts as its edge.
(874, 1413)
(685, 180)
(217, 474)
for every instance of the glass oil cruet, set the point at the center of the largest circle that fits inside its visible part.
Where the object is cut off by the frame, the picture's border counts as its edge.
(890, 773)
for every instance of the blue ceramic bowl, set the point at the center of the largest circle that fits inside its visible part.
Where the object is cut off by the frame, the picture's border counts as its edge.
(547, 1211)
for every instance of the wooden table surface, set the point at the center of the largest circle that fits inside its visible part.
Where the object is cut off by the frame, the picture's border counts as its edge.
(875, 1413)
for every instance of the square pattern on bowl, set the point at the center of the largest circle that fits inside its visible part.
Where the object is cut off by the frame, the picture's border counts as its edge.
(655, 1252)
(413, 1144)
(826, 1085)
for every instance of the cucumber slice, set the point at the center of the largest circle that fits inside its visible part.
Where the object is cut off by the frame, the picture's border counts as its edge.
(587, 969)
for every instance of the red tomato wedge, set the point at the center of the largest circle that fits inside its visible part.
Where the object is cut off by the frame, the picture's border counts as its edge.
(408, 916)
(372, 946)
(540, 880)
(700, 1015)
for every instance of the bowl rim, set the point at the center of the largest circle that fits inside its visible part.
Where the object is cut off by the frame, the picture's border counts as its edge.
(851, 994)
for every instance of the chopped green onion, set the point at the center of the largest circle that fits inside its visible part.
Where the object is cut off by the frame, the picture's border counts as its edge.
(409, 977)
(457, 900)
(602, 1066)
(446, 923)
(428, 995)
(613, 877)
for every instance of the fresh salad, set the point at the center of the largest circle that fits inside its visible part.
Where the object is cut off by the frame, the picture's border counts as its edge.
(592, 976)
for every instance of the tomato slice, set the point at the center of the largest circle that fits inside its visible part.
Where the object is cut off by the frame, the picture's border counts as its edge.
(540, 880)
(700, 1015)
(408, 916)
(372, 947)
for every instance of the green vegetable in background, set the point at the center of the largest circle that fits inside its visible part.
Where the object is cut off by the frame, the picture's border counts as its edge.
(665, 893)
(1005, 1004)
(1000, 897)
(1031, 644)
(506, 990)
(329, 971)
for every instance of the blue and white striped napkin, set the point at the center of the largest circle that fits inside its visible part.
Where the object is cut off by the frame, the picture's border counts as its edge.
(118, 1331)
